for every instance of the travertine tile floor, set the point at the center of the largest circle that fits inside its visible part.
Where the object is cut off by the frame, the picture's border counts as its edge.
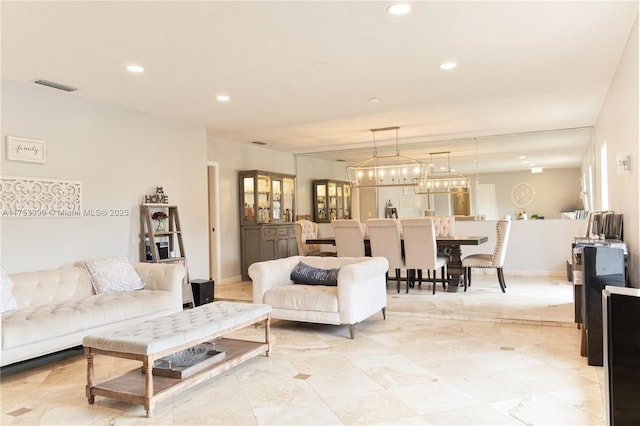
(475, 358)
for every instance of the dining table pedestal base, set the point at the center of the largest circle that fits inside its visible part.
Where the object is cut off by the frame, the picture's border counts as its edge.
(455, 271)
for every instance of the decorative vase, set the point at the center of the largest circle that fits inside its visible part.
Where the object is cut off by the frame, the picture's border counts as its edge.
(160, 226)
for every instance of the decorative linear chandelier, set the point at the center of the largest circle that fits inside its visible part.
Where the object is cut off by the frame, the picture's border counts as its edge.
(386, 170)
(444, 181)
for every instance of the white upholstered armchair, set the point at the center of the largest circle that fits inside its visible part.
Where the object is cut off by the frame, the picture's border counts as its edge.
(360, 291)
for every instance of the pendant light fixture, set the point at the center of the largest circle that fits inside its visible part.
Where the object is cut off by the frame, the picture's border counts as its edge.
(442, 181)
(386, 170)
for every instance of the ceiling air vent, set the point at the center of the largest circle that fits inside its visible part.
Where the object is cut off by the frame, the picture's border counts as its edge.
(55, 85)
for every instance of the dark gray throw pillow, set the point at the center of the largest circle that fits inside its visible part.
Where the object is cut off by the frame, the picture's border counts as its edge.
(305, 274)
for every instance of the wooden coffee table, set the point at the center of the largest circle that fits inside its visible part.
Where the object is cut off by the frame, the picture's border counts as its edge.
(151, 340)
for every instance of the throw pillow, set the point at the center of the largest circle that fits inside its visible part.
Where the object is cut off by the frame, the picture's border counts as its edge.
(305, 274)
(112, 274)
(8, 301)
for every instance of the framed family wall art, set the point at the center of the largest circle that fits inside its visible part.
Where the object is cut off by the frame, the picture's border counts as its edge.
(23, 149)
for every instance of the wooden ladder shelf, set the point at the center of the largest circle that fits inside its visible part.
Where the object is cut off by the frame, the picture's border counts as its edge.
(152, 235)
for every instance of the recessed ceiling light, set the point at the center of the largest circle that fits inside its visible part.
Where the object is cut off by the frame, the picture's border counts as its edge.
(536, 170)
(374, 100)
(135, 68)
(223, 98)
(522, 157)
(448, 65)
(399, 9)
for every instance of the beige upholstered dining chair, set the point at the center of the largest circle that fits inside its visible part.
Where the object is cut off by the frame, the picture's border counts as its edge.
(385, 241)
(491, 260)
(349, 237)
(307, 230)
(421, 251)
(444, 225)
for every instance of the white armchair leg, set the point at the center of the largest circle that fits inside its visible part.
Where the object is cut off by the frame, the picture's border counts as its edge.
(352, 330)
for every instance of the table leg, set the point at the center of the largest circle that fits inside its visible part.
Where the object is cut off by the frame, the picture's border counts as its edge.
(147, 364)
(267, 334)
(454, 268)
(90, 375)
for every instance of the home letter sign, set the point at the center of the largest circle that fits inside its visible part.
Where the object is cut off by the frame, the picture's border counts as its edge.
(158, 198)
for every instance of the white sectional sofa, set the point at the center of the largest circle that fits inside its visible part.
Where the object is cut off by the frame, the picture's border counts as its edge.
(360, 291)
(56, 308)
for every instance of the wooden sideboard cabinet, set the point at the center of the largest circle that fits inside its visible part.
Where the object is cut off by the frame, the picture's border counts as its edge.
(266, 217)
(266, 242)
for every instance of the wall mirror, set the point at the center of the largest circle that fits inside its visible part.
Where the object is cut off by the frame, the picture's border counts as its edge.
(546, 165)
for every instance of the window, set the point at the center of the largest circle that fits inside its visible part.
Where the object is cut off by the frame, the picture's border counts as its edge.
(586, 189)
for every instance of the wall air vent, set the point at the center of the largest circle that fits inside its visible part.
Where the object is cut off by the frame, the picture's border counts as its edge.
(55, 85)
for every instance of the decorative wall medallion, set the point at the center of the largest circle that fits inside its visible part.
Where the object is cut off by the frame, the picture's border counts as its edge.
(522, 194)
(23, 197)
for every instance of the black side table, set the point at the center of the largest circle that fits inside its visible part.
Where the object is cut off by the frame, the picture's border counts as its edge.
(202, 291)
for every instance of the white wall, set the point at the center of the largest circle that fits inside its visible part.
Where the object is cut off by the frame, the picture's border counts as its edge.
(556, 191)
(535, 247)
(309, 169)
(234, 157)
(618, 123)
(119, 155)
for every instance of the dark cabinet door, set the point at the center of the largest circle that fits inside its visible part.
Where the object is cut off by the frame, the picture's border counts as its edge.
(601, 266)
(269, 244)
(251, 253)
(266, 242)
(293, 245)
(622, 367)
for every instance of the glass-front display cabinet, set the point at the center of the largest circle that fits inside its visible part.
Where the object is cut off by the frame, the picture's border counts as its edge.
(266, 217)
(266, 197)
(331, 200)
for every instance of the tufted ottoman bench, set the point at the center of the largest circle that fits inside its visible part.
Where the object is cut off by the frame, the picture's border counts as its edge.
(150, 340)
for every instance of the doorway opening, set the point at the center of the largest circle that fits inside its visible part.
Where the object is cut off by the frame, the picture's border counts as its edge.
(213, 192)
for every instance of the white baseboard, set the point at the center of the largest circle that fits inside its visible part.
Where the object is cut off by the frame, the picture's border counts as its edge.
(512, 273)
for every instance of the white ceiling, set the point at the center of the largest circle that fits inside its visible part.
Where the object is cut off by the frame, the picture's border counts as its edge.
(300, 74)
